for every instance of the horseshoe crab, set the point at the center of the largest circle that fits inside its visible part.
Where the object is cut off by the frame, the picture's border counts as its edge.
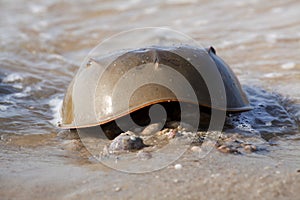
(91, 98)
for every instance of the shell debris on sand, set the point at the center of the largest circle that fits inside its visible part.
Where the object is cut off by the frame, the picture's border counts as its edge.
(127, 141)
(178, 166)
(201, 141)
(233, 144)
(250, 148)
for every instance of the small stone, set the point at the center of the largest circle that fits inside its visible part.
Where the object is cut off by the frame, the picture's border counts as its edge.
(152, 129)
(298, 170)
(227, 149)
(196, 149)
(133, 138)
(117, 189)
(178, 166)
(250, 148)
(224, 149)
(126, 142)
(175, 181)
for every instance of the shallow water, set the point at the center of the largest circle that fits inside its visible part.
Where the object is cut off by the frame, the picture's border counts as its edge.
(42, 45)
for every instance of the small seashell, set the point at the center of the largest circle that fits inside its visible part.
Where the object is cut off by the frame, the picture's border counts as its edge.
(178, 166)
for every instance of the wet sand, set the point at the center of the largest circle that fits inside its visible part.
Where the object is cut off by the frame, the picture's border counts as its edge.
(32, 168)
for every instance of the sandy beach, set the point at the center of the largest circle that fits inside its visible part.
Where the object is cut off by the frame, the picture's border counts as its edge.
(42, 47)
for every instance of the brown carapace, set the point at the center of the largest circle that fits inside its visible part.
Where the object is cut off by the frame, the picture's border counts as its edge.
(135, 79)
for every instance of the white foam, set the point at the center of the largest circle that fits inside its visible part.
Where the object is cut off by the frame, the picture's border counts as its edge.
(55, 105)
(18, 86)
(273, 75)
(3, 108)
(24, 93)
(288, 65)
(245, 127)
(12, 78)
(268, 123)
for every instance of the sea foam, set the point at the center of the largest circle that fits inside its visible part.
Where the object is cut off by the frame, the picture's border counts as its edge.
(12, 78)
(55, 105)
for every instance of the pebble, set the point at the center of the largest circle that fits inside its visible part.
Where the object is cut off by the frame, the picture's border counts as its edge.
(152, 129)
(224, 149)
(126, 141)
(196, 149)
(117, 189)
(178, 166)
(227, 149)
(250, 148)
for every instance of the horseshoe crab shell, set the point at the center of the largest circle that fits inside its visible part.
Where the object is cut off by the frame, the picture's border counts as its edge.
(97, 94)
